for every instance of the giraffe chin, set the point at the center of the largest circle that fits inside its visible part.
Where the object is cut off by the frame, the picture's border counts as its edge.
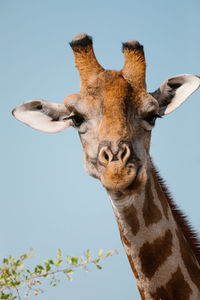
(119, 178)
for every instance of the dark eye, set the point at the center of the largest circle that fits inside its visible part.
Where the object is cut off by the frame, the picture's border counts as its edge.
(77, 120)
(151, 118)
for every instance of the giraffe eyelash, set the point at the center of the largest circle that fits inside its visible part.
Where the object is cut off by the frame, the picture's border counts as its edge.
(151, 118)
(76, 119)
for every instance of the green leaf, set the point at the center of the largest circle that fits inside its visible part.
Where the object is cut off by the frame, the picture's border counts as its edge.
(70, 271)
(96, 261)
(101, 254)
(50, 261)
(23, 256)
(5, 296)
(109, 253)
(5, 261)
(16, 283)
(74, 260)
(69, 260)
(48, 268)
(40, 267)
(69, 278)
(58, 262)
(88, 254)
(99, 267)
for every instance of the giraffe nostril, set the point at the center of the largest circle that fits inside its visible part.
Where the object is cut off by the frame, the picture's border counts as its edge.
(106, 156)
(123, 153)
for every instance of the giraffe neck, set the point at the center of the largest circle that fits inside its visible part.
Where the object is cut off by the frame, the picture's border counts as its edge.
(163, 263)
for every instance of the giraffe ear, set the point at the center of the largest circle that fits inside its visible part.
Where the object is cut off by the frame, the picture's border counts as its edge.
(174, 91)
(42, 115)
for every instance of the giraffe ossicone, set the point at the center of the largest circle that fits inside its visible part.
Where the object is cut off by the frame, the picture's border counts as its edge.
(114, 116)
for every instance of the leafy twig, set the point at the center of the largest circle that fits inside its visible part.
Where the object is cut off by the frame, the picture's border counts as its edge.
(14, 277)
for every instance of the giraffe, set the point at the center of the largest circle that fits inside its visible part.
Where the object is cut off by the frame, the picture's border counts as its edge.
(114, 116)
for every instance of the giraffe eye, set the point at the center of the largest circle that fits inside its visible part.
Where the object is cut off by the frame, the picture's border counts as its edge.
(151, 118)
(77, 120)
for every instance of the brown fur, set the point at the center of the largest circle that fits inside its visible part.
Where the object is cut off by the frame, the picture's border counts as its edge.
(132, 266)
(189, 260)
(151, 212)
(134, 66)
(161, 195)
(176, 288)
(126, 243)
(153, 255)
(86, 63)
(130, 216)
(189, 233)
(123, 238)
(141, 293)
(115, 91)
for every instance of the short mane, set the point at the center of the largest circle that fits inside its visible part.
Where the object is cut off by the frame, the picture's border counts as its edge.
(189, 233)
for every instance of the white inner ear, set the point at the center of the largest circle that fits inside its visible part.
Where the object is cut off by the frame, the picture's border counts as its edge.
(190, 85)
(42, 115)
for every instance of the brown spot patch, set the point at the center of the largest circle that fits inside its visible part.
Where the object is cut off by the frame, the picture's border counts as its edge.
(176, 288)
(151, 212)
(153, 255)
(161, 195)
(189, 233)
(189, 260)
(128, 244)
(130, 217)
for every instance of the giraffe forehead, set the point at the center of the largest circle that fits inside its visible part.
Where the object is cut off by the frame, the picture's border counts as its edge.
(110, 96)
(116, 93)
(114, 86)
(107, 95)
(120, 97)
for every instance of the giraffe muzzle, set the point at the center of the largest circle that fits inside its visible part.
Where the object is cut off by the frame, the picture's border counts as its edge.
(117, 170)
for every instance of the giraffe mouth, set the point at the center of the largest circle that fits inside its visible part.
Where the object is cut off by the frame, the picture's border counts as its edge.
(120, 178)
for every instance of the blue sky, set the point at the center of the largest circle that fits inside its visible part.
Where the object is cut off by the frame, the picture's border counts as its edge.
(47, 199)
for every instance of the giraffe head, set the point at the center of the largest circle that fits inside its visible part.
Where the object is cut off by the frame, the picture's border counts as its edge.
(113, 114)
